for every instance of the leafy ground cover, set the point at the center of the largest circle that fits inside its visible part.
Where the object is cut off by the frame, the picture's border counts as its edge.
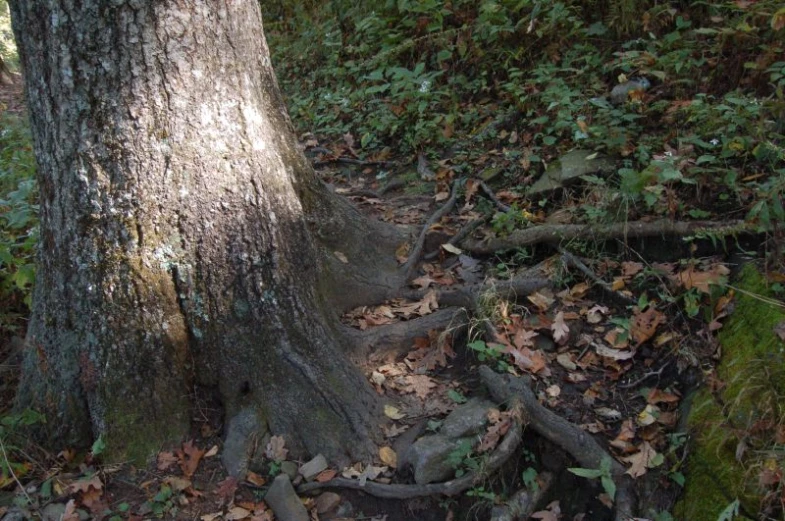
(409, 108)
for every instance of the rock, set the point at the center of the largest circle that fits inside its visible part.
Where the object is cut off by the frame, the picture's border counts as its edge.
(290, 469)
(327, 502)
(284, 502)
(239, 443)
(570, 168)
(16, 514)
(429, 458)
(467, 419)
(311, 469)
(621, 93)
(53, 512)
(566, 362)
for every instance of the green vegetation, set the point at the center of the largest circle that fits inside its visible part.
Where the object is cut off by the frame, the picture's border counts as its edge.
(531, 80)
(740, 418)
(18, 222)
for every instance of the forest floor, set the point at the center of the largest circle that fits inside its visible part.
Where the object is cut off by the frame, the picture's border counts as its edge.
(600, 356)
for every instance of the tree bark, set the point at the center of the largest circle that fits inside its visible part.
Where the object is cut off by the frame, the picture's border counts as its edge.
(186, 242)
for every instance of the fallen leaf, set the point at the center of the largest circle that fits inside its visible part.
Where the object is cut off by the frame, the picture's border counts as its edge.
(615, 354)
(641, 461)
(211, 517)
(388, 456)
(236, 513)
(595, 314)
(189, 457)
(325, 475)
(648, 415)
(701, 280)
(166, 460)
(85, 485)
(541, 300)
(630, 269)
(177, 484)
(565, 360)
(226, 490)
(276, 449)
(553, 391)
(552, 513)
(451, 249)
(644, 325)
(608, 413)
(657, 396)
(70, 513)
(341, 257)
(779, 330)
(212, 452)
(421, 385)
(524, 337)
(393, 412)
(371, 472)
(255, 479)
(561, 332)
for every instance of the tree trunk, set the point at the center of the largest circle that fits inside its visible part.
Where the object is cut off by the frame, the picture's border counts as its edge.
(186, 243)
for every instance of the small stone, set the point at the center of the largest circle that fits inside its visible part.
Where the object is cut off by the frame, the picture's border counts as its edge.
(239, 441)
(467, 419)
(284, 502)
(53, 512)
(311, 469)
(290, 469)
(566, 362)
(327, 501)
(430, 458)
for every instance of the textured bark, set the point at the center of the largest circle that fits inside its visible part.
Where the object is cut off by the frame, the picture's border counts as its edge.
(185, 240)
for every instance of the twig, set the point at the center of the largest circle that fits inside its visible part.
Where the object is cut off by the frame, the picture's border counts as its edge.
(414, 256)
(645, 376)
(395, 183)
(556, 233)
(13, 474)
(571, 260)
(492, 196)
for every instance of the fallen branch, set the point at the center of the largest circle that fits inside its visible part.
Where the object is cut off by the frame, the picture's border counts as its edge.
(571, 260)
(523, 503)
(557, 233)
(492, 196)
(579, 444)
(414, 256)
(449, 488)
(462, 234)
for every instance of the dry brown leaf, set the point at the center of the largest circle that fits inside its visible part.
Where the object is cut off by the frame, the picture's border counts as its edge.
(614, 354)
(630, 269)
(617, 338)
(226, 489)
(189, 457)
(561, 331)
(70, 513)
(276, 449)
(779, 330)
(419, 384)
(701, 280)
(595, 314)
(644, 325)
(657, 396)
(640, 461)
(326, 475)
(85, 485)
(237, 513)
(495, 432)
(541, 300)
(393, 412)
(524, 337)
(255, 479)
(166, 460)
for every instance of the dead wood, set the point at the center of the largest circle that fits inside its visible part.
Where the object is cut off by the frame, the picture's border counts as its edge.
(414, 256)
(557, 233)
(492, 196)
(578, 443)
(499, 457)
(571, 260)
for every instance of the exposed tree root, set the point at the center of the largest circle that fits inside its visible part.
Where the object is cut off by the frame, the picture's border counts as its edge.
(579, 444)
(392, 185)
(392, 340)
(523, 503)
(416, 252)
(462, 234)
(557, 233)
(492, 196)
(499, 456)
(466, 296)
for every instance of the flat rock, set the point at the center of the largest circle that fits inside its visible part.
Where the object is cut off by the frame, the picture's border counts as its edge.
(429, 458)
(569, 168)
(312, 469)
(284, 502)
(327, 501)
(239, 441)
(467, 419)
(53, 512)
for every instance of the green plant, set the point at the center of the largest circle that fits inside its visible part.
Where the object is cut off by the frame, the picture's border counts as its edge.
(13, 461)
(604, 473)
(462, 458)
(163, 503)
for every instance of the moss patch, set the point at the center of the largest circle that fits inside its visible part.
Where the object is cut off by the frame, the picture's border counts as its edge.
(751, 369)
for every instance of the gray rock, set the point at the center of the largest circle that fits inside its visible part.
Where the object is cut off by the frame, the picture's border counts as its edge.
(544, 342)
(290, 469)
(16, 514)
(570, 168)
(53, 512)
(311, 469)
(620, 93)
(239, 443)
(284, 502)
(429, 457)
(467, 419)
(327, 501)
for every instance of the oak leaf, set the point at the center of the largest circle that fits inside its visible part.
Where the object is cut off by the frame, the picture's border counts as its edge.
(189, 457)
(641, 461)
(276, 449)
(561, 331)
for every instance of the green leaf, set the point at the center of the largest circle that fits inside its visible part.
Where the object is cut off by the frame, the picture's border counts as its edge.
(456, 396)
(586, 473)
(609, 486)
(99, 446)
